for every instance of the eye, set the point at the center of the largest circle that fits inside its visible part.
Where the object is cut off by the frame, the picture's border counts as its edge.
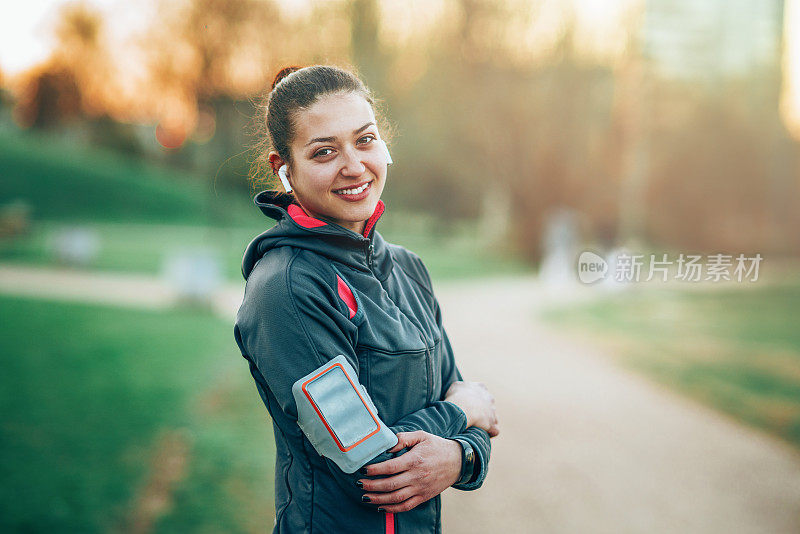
(366, 139)
(322, 152)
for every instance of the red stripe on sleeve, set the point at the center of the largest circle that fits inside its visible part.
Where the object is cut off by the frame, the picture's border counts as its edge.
(347, 296)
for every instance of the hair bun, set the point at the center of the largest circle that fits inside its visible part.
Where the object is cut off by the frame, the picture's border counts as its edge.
(283, 73)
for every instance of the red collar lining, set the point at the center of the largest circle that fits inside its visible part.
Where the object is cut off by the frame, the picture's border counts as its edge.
(299, 216)
(374, 217)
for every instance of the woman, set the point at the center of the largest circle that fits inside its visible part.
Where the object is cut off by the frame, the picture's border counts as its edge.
(322, 287)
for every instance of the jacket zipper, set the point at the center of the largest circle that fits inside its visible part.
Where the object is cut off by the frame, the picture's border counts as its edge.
(428, 367)
(429, 363)
(369, 249)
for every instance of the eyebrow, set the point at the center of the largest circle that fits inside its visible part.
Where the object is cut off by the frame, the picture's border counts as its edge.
(328, 139)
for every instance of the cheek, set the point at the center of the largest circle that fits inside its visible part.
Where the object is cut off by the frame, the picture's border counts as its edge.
(376, 163)
(318, 179)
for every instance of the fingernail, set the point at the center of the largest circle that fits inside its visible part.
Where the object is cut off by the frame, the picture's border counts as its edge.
(363, 470)
(381, 510)
(364, 498)
(359, 484)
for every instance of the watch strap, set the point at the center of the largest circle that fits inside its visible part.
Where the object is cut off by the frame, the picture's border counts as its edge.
(467, 462)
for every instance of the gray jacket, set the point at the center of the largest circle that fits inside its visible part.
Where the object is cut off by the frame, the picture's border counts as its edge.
(315, 290)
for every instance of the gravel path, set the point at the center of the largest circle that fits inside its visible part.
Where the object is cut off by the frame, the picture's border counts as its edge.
(129, 290)
(118, 289)
(588, 448)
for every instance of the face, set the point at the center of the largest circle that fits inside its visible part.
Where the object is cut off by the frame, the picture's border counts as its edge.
(336, 152)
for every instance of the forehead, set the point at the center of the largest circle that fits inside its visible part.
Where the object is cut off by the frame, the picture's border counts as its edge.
(336, 115)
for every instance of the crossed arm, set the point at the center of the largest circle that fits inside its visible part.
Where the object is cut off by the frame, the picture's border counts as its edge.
(433, 463)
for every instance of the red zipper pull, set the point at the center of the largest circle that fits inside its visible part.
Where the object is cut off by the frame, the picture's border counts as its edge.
(389, 522)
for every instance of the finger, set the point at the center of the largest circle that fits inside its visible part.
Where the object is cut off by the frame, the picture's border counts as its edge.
(388, 484)
(390, 467)
(404, 506)
(394, 497)
(407, 440)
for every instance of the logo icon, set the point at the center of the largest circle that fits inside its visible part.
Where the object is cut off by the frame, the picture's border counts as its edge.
(591, 267)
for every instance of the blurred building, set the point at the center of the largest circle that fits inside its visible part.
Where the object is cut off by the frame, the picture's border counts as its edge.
(709, 41)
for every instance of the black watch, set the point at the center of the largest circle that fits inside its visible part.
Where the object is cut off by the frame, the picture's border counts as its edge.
(467, 462)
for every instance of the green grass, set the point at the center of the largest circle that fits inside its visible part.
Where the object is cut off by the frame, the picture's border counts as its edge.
(736, 350)
(65, 182)
(88, 392)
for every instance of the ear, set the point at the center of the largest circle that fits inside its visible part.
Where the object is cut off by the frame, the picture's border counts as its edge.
(386, 151)
(275, 161)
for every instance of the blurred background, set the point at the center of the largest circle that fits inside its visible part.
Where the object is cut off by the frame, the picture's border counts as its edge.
(523, 132)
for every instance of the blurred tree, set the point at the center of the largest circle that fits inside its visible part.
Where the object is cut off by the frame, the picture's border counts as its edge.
(722, 174)
(77, 87)
(459, 62)
(62, 88)
(220, 52)
(50, 96)
(81, 48)
(365, 45)
(6, 102)
(497, 129)
(4, 95)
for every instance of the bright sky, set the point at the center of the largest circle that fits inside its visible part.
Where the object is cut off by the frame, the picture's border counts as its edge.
(26, 30)
(26, 27)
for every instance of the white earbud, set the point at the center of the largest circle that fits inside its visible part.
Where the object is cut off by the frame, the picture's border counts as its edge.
(284, 179)
(388, 156)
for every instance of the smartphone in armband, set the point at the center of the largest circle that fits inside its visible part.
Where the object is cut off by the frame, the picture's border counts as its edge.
(338, 416)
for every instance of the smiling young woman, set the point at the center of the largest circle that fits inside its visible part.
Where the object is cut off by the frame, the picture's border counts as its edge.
(338, 177)
(343, 333)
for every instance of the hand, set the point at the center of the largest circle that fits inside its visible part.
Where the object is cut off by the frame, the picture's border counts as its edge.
(477, 403)
(430, 466)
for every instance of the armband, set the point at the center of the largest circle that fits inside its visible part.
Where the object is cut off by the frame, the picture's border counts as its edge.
(339, 418)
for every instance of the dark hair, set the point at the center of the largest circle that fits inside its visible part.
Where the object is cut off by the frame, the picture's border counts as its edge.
(295, 89)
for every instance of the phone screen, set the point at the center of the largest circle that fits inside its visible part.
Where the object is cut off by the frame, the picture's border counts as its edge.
(341, 406)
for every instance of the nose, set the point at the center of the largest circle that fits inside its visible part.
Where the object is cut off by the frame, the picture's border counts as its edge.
(352, 164)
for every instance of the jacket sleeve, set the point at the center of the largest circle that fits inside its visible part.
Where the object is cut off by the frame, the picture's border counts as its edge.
(287, 326)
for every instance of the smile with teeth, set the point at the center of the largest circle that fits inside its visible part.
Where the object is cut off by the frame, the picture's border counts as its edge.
(354, 191)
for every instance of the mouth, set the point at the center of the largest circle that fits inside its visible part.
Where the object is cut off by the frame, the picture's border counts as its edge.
(357, 191)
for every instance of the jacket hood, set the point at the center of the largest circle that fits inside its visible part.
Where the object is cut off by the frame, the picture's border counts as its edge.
(296, 229)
